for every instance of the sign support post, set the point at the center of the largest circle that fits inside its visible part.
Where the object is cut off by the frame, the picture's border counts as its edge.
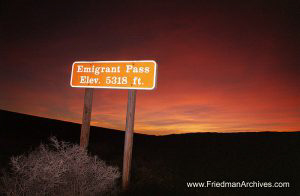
(86, 117)
(128, 138)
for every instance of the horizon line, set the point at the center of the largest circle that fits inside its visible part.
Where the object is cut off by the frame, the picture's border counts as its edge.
(143, 133)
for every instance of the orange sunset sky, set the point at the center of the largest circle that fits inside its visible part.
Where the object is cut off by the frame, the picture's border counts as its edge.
(222, 67)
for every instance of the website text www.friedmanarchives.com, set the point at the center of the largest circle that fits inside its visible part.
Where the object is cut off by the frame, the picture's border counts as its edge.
(241, 184)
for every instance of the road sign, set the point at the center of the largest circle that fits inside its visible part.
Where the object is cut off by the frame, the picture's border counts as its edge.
(140, 75)
(131, 75)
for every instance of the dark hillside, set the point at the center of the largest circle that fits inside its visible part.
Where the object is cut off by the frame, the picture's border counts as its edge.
(164, 164)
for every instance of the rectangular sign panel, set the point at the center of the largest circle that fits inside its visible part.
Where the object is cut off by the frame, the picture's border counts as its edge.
(114, 74)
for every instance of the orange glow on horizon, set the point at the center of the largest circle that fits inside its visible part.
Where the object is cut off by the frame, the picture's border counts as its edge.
(219, 69)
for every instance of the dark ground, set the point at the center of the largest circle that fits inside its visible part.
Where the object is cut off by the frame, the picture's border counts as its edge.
(163, 164)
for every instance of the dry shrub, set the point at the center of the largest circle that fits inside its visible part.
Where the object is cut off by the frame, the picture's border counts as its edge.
(59, 169)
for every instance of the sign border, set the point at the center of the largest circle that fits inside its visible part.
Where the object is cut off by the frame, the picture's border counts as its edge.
(120, 88)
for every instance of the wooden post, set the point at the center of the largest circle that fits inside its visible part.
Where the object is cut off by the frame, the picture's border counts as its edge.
(128, 139)
(86, 117)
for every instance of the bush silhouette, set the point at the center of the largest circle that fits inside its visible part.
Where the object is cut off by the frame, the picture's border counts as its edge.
(59, 169)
